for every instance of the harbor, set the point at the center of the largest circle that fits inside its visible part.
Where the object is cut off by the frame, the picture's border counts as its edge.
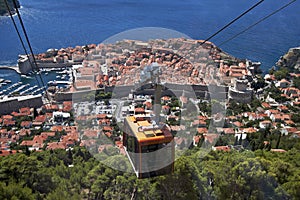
(13, 84)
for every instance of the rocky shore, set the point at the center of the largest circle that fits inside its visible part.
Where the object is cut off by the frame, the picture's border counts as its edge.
(290, 60)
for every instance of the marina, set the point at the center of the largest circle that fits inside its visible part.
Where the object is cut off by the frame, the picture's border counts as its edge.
(14, 84)
(29, 90)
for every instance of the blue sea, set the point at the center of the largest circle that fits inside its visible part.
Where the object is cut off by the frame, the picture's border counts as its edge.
(57, 23)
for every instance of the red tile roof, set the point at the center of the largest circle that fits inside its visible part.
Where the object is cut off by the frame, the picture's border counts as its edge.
(48, 134)
(228, 130)
(211, 137)
(25, 123)
(8, 122)
(238, 124)
(52, 107)
(197, 138)
(40, 118)
(90, 133)
(202, 130)
(139, 110)
(24, 132)
(7, 117)
(8, 152)
(56, 145)
(39, 139)
(67, 106)
(57, 128)
(27, 143)
(107, 128)
(73, 136)
(222, 148)
(265, 105)
(278, 150)
(101, 116)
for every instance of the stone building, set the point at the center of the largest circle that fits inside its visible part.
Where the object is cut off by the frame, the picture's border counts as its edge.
(240, 91)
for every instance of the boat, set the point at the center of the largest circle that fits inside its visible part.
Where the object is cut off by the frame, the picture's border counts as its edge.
(24, 76)
(7, 81)
(63, 72)
(57, 76)
(52, 83)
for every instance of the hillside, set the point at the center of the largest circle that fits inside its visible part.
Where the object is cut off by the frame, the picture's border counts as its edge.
(3, 10)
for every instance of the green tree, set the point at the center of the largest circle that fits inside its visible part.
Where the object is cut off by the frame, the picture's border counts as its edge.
(281, 73)
(15, 191)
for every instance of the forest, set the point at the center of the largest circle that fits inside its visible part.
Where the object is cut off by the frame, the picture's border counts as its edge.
(198, 174)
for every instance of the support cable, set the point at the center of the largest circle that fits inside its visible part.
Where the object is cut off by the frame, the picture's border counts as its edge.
(31, 51)
(28, 42)
(259, 21)
(21, 40)
(234, 20)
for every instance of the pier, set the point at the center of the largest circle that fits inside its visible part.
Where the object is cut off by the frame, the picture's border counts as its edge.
(11, 67)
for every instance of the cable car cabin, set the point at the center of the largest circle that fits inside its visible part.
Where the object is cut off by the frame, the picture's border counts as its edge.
(149, 147)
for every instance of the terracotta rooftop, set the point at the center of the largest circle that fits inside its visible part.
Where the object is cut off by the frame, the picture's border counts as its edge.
(40, 118)
(25, 123)
(56, 145)
(8, 152)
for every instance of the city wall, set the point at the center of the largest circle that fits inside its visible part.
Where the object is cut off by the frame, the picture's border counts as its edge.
(14, 104)
(200, 91)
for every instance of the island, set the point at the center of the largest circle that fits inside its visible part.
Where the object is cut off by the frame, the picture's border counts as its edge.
(3, 10)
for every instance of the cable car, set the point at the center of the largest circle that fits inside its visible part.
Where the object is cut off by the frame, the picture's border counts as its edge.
(149, 146)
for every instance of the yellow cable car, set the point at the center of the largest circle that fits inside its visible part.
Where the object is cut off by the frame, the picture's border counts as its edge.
(149, 146)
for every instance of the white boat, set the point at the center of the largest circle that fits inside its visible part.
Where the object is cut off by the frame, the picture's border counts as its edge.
(24, 76)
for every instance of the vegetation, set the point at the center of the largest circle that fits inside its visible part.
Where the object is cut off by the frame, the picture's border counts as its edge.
(281, 73)
(218, 175)
(3, 9)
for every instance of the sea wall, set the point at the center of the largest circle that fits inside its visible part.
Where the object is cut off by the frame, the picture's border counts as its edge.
(15, 103)
(25, 65)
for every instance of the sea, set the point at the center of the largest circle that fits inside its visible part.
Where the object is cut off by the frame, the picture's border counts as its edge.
(59, 24)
